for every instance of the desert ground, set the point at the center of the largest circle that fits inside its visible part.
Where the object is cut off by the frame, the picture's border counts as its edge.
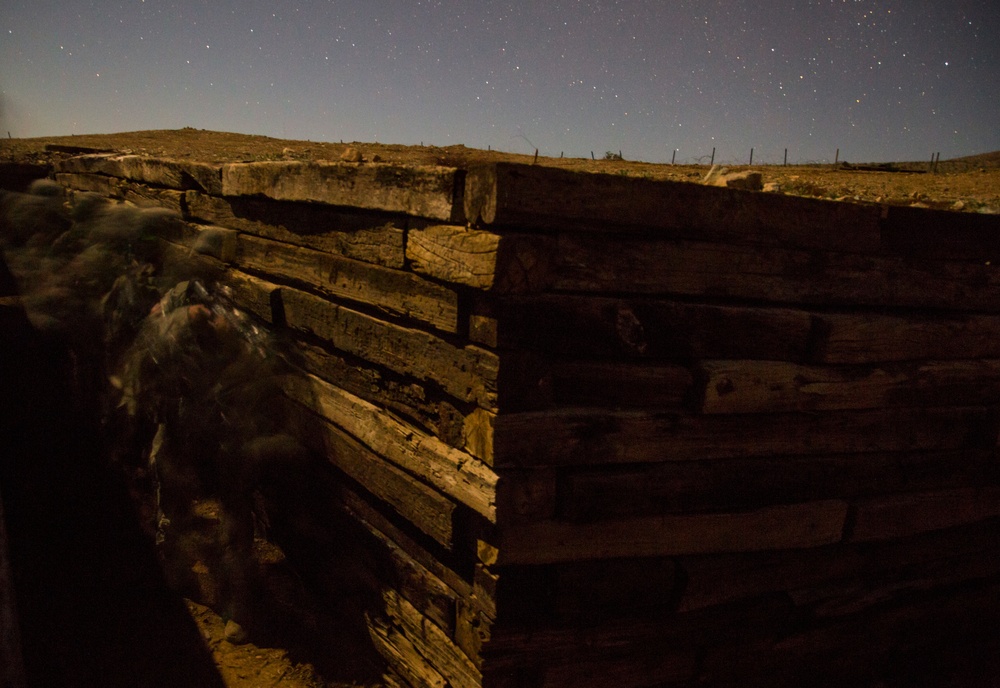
(969, 184)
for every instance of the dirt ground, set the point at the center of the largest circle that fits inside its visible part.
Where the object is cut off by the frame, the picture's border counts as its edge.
(970, 184)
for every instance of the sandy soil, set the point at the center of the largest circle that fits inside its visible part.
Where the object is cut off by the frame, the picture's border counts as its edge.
(969, 184)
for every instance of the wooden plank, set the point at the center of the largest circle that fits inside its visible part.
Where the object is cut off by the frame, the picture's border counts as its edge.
(392, 291)
(145, 196)
(612, 588)
(173, 174)
(540, 644)
(91, 183)
(792, 526)
(425, 591)
(577, 437)
(418, 190)
(505, 263)
(466, 372)
(366, 236)
(433, 643)
(257, 296)
(403, 657)
(597, 493)
(845, 598)
(941, 234)
(465, 428)
(661, 667)
(396, 393)
(472, 631)
(908, 514)
(648, 328)
(526, 496)
(908, 643)
(776, 386)
(392, 537)
(422, 506)
(608, 263)
(512, 195)
(620, 385)
(848, 338)
(722, 578)
(454, 472)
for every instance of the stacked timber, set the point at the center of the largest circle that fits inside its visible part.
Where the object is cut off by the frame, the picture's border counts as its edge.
(611, 430)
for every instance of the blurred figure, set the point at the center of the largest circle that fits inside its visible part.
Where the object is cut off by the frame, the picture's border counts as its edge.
(205, 375)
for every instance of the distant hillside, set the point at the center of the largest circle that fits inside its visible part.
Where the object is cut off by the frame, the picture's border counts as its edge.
(982, 160)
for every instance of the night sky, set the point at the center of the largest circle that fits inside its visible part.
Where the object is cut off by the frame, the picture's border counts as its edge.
(880, 80)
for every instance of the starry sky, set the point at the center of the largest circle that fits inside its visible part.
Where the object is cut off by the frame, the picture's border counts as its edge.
(878, 79)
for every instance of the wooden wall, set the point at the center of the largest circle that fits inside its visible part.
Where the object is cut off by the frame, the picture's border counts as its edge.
(617, 431)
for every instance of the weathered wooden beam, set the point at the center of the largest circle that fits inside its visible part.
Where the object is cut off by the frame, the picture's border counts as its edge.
(454, 472)
(504, 263)
(665, 666)
(918, 636)
(620, 385)
(392, 538)
(791, 526)
(907, 514)
(607, 263)
(172, 174)
(418, 190)
(91, 183)
(512, 195)
(432, 642)
(876, 337)
(396, 393)
(257, 296)
(603, 327)
(941, 234)
(721, 578)
(393, 291)
(577, 437)
(370, 237)
(403, 657)
(776, 386)
(544, 644)
(424, 507)
(468, 373)
(847, 598)
(527, 495)
(594, 493)
(146, 196)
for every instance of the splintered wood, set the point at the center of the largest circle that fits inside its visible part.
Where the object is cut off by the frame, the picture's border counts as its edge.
(616, 431)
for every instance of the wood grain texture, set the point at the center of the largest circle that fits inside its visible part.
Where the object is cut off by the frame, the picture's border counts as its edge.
(778, 527)
(513, 195)
(578, 437)
(468, 373)
(451, 471)
(395, 292)
(777, 387)
(418, 190)
(371, 237)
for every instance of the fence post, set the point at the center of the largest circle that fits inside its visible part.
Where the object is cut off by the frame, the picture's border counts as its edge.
(713, 156)
(673, 156)
(836, 160)
(751, 156)
(786, 157)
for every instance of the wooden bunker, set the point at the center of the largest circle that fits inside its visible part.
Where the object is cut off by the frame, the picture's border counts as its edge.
(615, 431)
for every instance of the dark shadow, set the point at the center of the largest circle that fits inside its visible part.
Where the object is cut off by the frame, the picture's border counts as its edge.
(92, 603)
